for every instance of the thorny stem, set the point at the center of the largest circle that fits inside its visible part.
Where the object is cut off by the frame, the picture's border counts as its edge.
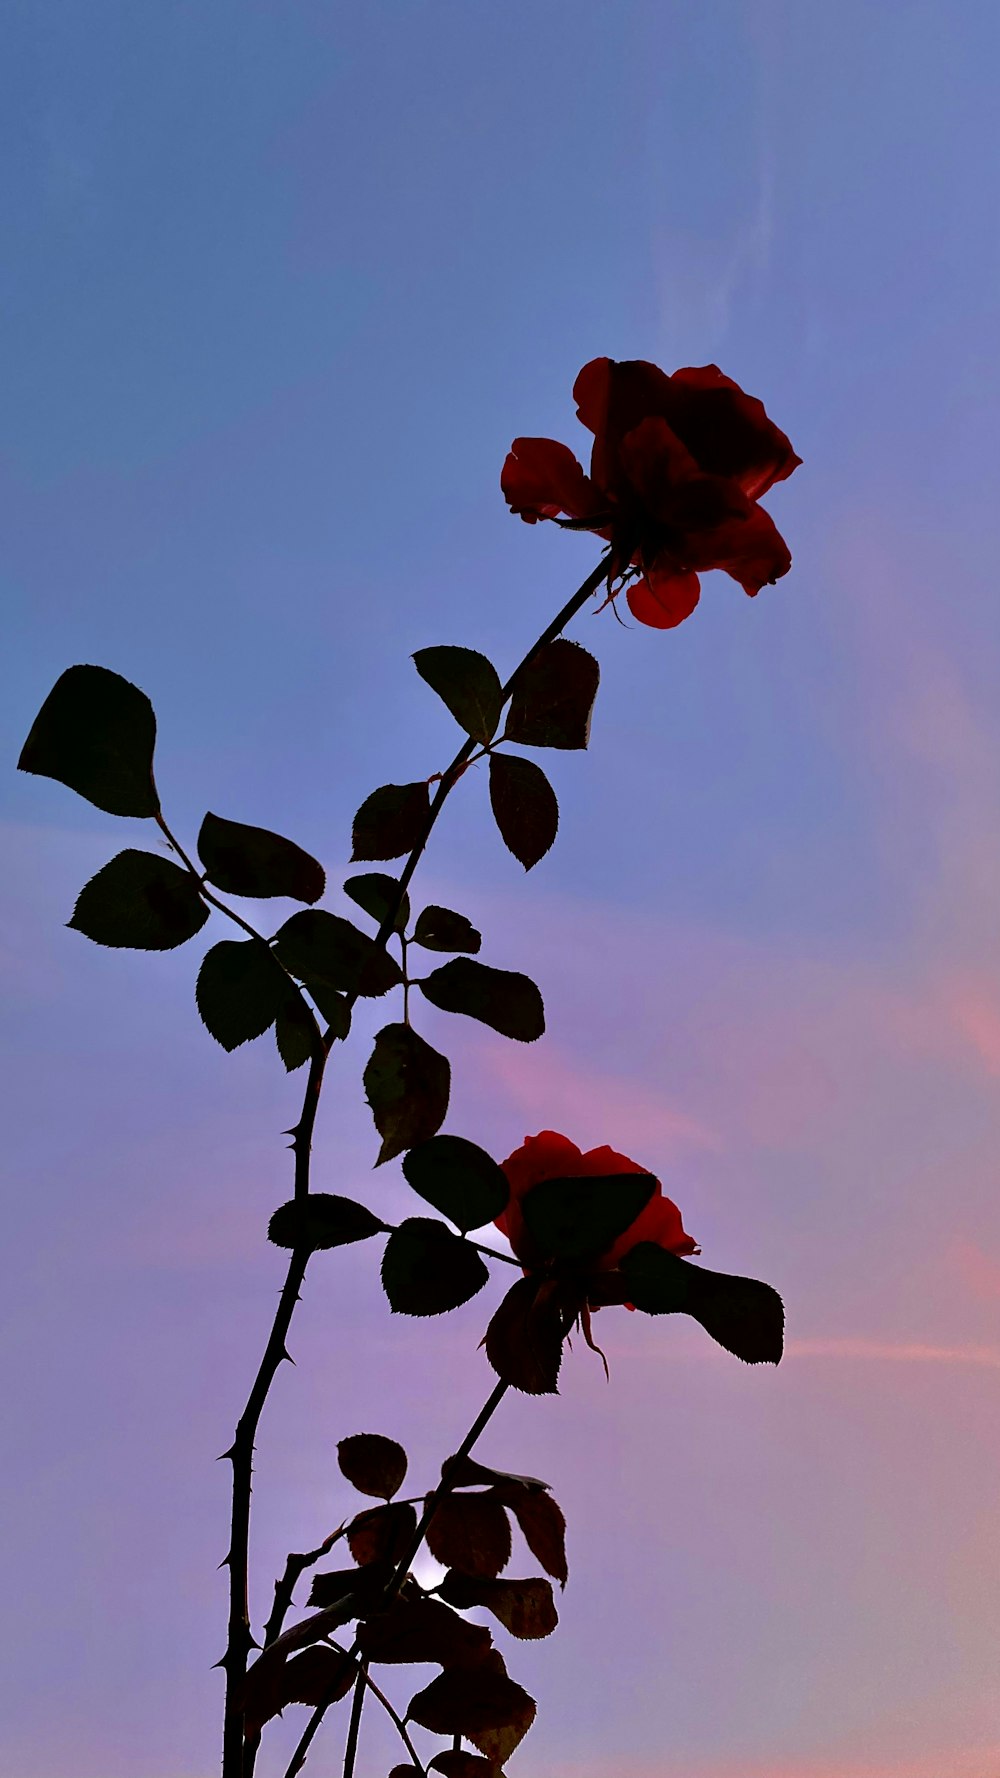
(241, 1451)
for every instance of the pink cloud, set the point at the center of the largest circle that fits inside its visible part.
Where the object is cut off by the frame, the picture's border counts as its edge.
(981, 1762)
(895, 1352)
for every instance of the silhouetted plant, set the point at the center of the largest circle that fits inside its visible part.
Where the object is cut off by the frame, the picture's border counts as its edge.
(678, 465)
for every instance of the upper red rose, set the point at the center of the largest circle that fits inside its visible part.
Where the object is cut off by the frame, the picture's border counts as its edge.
(550, 1156)
(677, 468)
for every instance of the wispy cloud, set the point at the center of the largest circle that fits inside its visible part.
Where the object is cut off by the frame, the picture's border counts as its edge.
(979, 1762)
(895, 1352)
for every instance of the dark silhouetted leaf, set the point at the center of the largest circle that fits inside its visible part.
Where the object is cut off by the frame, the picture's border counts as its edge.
(326, 949)
(333, 1009)
(391, 821)
(459, 1179)
(372, 1464)
(438, 929)
(140, 901)
(313, 1677)
(456, 1763)
(426, 1270)
(407, 1085)
(468, 1473)
(543, 1526)
(295, 1031)
(554, 697)
(576, 1220)
(525, 807)
(251, 861)
(383, 1534)
(658, 1283)
(482, 1703)
(322, 1220)
(423, 1630)
(524, 1339)
(467, 683)
(525, 1607)
(501, 998)
(376, 893)
(470, 1532)
(95, 733)
(240, 990)
(351, 1591)
(404, 1772)
(744, 1316)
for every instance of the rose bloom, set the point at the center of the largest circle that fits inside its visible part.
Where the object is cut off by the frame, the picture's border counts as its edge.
(677, 468)
(551, 1156)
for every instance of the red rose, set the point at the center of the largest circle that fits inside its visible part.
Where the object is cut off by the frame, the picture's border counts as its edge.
(677, 468)
(550, 1156)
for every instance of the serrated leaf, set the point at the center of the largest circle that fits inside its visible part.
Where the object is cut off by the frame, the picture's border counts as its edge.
(438, 929)
(426, 1270)
(239, 991)
(407, 1085)
(524, 807)
(524, 1339)
(322, 1220)
(524, 1607)
(252, 861)
(333, 1009)
(376, 892)
(576, 1220)
(467, 683)
(351, 1591)
(471, 1533)
(459, 1764)
(741, 1314)
(141, 902)
(482, 1703)
(96, 733)
(326, 949)
(468, 1472)
(459, 1179)
(372, 1463)
(423, 1630)
(502, 998)
(542, 1525)
(391, 821)
(553, 697)
(316, 1676)
(382, 1534)
(295, 1031)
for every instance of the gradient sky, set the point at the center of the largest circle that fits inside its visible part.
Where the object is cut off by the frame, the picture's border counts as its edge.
(279, 285)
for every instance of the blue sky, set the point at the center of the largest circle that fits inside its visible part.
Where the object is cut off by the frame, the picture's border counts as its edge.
(280, 285)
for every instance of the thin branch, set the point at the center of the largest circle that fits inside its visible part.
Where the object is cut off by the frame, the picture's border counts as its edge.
(445, 1486)
(295, 1567)
(388, 1707)
(354, 1726)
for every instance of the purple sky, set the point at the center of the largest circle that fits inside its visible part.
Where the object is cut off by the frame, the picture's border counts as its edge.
(279, 285)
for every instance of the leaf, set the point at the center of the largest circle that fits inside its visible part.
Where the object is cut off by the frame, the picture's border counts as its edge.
(524, 805)
(351, 1591)
(744, 1316)
(382, 1534)
(501, 998)
(467, 683)
(426, 1270)
(295, 1031)
(391, 821)
(322, 1220)
(577, 1220)
(252, 861)
(377, 893)
(459, 1179)
(543, 1526)
(423, 1630)
(553, 697)
(482, 1703)
(239, 990)
(525, 1607)
(456, 1763)
(524, 1339)
(95, 733)
(141, 902)
(407, 1084)
(316, 1676)
(468, 1473)
(333, 1009)
(438, 929)
(470, 1532)
(372, 1464)
(326, 949)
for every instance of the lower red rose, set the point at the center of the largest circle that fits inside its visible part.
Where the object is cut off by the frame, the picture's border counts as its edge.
(551, 1156)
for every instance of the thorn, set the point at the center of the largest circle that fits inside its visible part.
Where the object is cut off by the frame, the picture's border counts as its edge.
(224, 1455)
(227, 1560)
(286, 1354)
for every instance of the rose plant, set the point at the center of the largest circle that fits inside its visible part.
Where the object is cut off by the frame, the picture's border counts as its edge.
(678, 466)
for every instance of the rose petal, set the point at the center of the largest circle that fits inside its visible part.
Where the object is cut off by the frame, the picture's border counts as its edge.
(662, 600)
(541, 479)
(728, 431)
(661, 1222)
(752, 550)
